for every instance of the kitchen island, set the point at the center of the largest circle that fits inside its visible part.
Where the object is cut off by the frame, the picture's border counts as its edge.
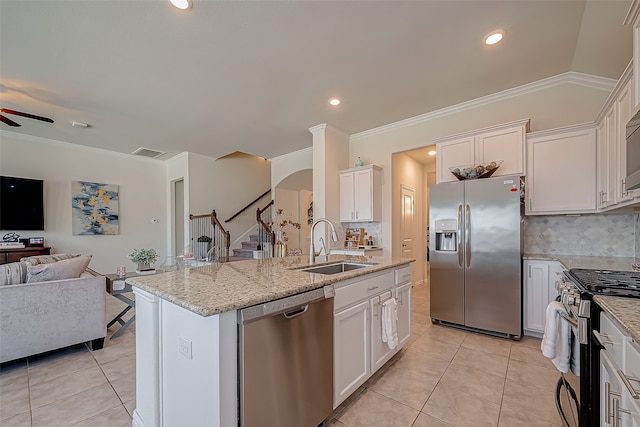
(186, 331)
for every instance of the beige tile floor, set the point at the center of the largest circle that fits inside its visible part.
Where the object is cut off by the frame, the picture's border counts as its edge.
(442, 377)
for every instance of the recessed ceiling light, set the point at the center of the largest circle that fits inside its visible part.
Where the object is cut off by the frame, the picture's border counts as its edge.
(334, 101)
(494, 37)
(181, 4)
(431, 153)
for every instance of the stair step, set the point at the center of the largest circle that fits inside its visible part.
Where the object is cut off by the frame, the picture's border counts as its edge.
(250, 245)
(243, 253)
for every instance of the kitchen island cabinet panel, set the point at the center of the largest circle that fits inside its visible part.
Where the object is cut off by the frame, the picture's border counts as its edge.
(351, 347)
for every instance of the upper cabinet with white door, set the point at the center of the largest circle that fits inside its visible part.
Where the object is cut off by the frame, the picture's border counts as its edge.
(361, 194)
(561, 171)
(503, 142)
(612, 147)
(633, 19)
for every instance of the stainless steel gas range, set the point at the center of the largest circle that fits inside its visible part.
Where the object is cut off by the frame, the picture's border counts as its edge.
(577, 293)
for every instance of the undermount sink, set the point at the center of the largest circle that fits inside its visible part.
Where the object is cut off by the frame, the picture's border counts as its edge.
(340, 267)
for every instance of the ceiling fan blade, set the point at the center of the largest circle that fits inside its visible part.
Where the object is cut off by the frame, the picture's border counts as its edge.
(9, 122)
(30, 116)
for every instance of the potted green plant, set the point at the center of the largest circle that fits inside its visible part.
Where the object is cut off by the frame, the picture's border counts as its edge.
(144, 258)
(203, 244)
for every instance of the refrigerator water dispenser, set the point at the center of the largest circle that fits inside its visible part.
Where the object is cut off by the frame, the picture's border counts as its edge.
(446, 234)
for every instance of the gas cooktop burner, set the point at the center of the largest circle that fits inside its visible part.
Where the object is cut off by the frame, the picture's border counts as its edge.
(607, 282)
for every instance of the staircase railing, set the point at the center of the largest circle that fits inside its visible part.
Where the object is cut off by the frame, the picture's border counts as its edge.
(264, 218)
(210, 227)
(248, 206)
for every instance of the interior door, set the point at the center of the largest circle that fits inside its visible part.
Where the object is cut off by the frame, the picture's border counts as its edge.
(407, 218)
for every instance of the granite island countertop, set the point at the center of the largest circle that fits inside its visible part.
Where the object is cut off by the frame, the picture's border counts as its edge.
(625, 310)
(218, 288)
(594, 262)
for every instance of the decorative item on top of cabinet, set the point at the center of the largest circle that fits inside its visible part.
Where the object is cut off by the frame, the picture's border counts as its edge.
(505, 141)
(561, 171)
(361, 194)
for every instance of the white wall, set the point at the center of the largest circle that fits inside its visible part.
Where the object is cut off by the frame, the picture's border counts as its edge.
(547, 107)
(142, 186)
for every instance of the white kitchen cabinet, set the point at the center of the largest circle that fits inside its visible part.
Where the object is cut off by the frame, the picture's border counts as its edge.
(606, 152)
(561, 171)
(358, 347)
(619, 373)
(612, 161)
(540, 279)
(633, 19)
(403, 297)
(503, 142)
(380, 351)
(361, 194)
(351, 350)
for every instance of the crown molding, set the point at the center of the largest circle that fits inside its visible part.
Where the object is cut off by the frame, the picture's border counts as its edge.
(571, 77)
(299, 153)
(633, 12)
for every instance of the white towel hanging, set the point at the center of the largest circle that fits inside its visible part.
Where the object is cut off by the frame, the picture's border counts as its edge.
(389, 319)
(556, 341)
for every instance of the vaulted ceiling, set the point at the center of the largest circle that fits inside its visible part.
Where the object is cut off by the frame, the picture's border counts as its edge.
(254, 76)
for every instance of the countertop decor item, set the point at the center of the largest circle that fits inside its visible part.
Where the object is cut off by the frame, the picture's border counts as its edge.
(359, 162)
(479, 170)
(144, 258)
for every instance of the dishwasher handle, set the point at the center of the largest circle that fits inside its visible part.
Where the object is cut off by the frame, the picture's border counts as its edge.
(297, 312)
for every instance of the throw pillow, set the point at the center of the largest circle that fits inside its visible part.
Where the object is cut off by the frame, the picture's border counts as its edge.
(13, 273)
(48, 259)
(65, 269)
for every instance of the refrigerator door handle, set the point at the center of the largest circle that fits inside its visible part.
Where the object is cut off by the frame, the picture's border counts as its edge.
(467, 237)
(459, 235)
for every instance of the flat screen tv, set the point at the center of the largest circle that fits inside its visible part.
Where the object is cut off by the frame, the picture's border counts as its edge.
(21, 204)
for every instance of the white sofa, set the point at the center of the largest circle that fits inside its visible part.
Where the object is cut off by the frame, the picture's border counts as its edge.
(42, 316)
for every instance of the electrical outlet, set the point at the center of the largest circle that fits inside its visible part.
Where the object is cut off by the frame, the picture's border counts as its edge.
(184, 347)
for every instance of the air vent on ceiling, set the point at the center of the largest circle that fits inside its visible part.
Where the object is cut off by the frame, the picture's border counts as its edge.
(148, 152)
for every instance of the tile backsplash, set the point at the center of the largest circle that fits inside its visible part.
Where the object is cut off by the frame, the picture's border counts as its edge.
(595, 235)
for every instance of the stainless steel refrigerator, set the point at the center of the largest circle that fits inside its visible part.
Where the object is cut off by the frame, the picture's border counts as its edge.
(476, 254)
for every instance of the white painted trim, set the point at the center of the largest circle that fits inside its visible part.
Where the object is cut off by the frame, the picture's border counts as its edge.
(633, 13)
(304, 151)
(555, 131)
(626, 75)
(316, 128)
(474, 132)
(572, 77)
(55, 142)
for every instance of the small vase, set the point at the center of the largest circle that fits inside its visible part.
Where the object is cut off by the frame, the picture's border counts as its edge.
(143, 267)
(359, 162)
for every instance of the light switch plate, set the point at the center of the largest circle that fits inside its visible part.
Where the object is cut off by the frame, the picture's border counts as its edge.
(184, 347)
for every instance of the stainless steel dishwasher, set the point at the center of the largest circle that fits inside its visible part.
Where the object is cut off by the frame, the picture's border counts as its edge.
(286, 361)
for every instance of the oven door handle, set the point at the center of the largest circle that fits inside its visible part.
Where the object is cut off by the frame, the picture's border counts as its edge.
(602, 339)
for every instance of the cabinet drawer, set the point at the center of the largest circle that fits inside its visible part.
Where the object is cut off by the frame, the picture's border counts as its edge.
(403, 275)
(355, 292)
(612, 338)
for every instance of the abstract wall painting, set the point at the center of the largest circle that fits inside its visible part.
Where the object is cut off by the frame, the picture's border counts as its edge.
(94, 208)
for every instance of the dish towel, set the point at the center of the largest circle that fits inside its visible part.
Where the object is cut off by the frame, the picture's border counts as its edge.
(389, 323)
(556, 341)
